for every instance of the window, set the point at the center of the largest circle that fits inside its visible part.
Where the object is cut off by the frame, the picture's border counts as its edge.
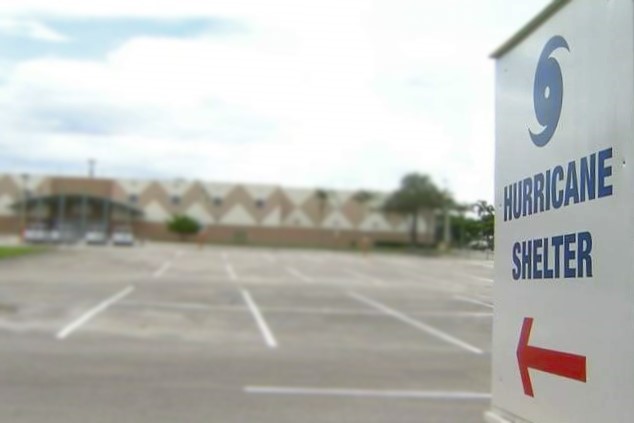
(176, 200)
(217, 201)
(134, 198)
(259, 203)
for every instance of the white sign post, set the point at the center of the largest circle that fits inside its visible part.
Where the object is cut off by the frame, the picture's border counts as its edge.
(563, 347)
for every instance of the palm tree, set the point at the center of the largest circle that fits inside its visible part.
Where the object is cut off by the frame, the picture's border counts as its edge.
(462, 209)
(417, 192)
(363, 197)
(483, 208)
(323, 197)
(486, 212)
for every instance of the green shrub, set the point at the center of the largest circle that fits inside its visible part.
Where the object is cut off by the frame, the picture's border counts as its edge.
(184, 226)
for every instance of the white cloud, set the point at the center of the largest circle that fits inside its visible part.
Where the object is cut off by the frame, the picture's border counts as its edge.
(31, 29)
(333, 93)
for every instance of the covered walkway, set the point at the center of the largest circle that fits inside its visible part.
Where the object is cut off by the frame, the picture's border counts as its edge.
(73, 215)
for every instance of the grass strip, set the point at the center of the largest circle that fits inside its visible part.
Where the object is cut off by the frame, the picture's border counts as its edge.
(17, 251)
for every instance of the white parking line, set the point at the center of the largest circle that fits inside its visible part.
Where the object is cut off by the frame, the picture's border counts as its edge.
(161, 270)
(488, 280)
(229, 268)
(475, 278)
(485, 264)
(299, 275)
(416, 323)
(267, 334)
(232, 273)
(84, 318)
(367, 393)
(473, 301)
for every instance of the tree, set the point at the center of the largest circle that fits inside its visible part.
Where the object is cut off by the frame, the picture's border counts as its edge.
(184, 226)
(486, 212)
(465, 229)
(484, 209)
(447, 203)
(462, 227)
(363, 197)
(417, 192)
(323, 198)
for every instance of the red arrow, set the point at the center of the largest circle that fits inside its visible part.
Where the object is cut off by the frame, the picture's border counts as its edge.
(558, 363)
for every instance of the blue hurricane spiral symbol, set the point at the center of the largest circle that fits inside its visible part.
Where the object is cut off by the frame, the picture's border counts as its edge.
(548, 92)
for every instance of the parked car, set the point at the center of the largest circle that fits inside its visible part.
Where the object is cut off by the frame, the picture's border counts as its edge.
(54, 236)
(480, 244)
(35, 235)
(124, 238)
(96, 238)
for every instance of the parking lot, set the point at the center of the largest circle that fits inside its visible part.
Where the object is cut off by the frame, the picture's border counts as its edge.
(171, 333)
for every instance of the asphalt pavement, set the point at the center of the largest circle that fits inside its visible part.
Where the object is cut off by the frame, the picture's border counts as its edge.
(172, 333)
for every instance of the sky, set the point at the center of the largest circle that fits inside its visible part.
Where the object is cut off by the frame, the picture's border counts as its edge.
(341, 94)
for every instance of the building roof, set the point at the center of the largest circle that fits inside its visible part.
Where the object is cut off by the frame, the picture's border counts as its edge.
(529, 28)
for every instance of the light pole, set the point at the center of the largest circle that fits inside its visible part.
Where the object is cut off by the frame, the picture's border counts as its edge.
(92, 164)
(25, 178)
(446, 218)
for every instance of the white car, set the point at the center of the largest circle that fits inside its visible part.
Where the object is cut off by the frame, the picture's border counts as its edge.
(96, 238)
(35, 235)
(122, 238)
(480, 244)
(54, 236)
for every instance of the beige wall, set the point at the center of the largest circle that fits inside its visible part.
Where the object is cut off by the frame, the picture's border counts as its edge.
(273, 236)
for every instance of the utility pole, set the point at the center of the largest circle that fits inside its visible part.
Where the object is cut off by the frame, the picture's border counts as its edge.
(92, 164)
(23, 209)
(446, 217)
